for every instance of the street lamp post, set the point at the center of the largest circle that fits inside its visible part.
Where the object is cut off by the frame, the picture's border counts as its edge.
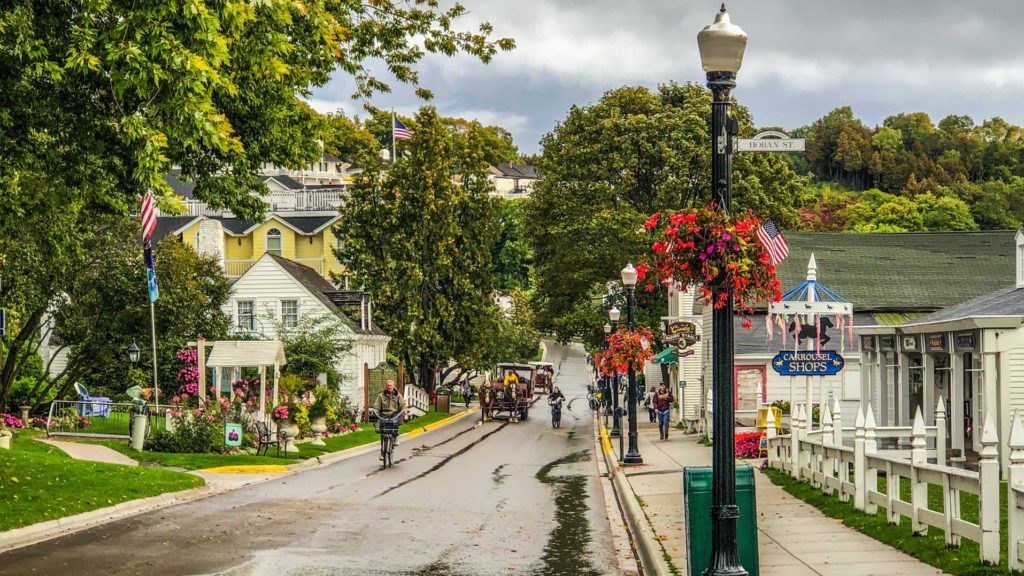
(133, 353)
(607, 392)
(632, 456)
(721, 47)
(616, 432)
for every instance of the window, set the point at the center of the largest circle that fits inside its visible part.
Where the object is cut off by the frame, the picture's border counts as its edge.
(289, 313)
(274, 241)
(246, 315)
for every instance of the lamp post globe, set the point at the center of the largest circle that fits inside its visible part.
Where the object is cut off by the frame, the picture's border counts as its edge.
(133, 353)
(613, 315)
(721, 45)
(632, 456)
(607, 329)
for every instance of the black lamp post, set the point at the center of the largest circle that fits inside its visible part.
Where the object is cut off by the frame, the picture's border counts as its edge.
(721, 53)
(632, 456)
(133, 353)
(607, 392)
(616, 432)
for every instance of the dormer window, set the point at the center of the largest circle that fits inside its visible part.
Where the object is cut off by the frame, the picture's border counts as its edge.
(274, 241)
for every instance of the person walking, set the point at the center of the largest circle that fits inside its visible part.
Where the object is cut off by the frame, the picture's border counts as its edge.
(649, 404)
(663, 406)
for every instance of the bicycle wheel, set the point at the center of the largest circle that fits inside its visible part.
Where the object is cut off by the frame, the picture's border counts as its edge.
(389, 460)
(384, 454)
(593, 404)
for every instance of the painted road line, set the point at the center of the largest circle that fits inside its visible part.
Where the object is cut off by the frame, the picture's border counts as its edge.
(439, 423)
(248, 469)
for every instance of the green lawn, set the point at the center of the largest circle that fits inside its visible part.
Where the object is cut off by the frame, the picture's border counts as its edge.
(930, 548)
(364, 435)
(38, 482)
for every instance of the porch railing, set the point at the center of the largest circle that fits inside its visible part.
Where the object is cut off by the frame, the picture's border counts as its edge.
(235, 268)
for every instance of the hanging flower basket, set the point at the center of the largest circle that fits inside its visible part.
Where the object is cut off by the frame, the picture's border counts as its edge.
(714, 251)
(625, 346)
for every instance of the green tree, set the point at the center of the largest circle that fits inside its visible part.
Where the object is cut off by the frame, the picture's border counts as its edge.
(511, 253)
(315, 346)
(419, 240)
(605, 168)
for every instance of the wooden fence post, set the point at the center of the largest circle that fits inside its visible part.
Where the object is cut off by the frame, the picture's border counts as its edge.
(837, 423)
(797, 430)
(771, 432)
(870, 449)
(859, 462)
(824, 465)
(918, 489)
(940, 432)
(988, 500)
(1015, 525)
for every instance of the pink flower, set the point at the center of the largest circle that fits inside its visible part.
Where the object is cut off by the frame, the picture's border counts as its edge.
(197, 412)
(211, 418)
(176, 399)
(184, 397)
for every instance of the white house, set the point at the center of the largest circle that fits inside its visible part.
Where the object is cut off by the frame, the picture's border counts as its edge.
(277, 290)
(512, 180)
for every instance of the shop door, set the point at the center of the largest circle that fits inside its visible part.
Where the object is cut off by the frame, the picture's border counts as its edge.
(750, 388)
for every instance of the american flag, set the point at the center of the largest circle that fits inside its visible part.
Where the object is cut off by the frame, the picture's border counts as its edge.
(400, 131)
(773, 242)
(148, 217)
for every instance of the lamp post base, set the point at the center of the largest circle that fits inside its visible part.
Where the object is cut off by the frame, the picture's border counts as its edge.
(632, 459)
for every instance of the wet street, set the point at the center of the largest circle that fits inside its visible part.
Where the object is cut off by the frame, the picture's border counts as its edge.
(467, 499)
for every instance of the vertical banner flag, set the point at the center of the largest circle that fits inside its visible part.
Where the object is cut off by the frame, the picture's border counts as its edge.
(773, 241)
(148, 215)
(154, 291)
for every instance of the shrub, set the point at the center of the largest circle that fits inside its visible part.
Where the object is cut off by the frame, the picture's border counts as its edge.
(302, 420)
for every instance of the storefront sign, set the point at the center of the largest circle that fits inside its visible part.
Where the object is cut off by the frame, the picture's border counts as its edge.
(936, 342)
(867, 342)
(824, 363)
(684, 334)
(232, 434)
(966, 342)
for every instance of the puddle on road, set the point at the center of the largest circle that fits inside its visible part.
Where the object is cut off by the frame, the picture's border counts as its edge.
(498, 476)
(566, 552)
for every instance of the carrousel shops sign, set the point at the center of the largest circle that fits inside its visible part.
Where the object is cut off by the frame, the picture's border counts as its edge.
(799, 363)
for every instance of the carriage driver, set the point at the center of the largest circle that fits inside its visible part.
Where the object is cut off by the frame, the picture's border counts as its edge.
(388, 403)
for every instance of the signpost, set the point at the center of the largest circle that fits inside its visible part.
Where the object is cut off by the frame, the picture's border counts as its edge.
(809, 363)
(232, 434)
(770, 141)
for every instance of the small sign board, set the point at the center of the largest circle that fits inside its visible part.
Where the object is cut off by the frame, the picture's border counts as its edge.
(770, 141)
(232, 434)
(683, 334)
(810, 363)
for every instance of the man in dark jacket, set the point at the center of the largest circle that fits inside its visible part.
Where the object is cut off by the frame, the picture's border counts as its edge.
(662, 405)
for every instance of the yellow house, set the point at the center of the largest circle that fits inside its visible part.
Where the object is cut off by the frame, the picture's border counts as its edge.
(304, 237)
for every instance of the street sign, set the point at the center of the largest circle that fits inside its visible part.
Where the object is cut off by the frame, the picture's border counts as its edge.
(770, 141)
(797, 363)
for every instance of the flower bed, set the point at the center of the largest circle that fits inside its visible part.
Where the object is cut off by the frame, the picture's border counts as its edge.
(748, 445)
(717, 252)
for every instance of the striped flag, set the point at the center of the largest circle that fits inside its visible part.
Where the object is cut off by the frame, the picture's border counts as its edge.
(148, 213)
(147, 252)
(773, 242)
(399, 130)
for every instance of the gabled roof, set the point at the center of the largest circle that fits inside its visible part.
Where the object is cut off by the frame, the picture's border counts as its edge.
(167, 225)
(511, 170)
(1005, 302)
(284, 180)
(327, 157)
(903, 272)
(310, 279)
(308, 224)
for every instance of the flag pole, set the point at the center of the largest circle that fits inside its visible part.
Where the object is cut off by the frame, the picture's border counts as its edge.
(152, 326)
(394, 147)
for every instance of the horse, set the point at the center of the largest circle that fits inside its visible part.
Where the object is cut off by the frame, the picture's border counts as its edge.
(808, 330)
(512, 394)
(486, 401)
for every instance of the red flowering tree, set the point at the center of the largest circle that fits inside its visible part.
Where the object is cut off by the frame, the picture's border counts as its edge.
(625, 346)
(714, 251)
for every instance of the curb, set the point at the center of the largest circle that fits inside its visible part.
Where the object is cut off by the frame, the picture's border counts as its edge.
(648, 547)
(626, 554)
(42, 531)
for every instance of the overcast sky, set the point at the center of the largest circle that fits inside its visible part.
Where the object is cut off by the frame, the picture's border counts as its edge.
(804, 58)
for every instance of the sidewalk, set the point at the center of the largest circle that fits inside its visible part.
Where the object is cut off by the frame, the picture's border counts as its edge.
(794, 538)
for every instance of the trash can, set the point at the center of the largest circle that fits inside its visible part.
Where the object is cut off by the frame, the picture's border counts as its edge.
(697, 488)
(443, 403)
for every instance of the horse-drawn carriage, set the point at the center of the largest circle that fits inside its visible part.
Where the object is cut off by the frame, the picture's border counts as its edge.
(543, 381)
(509, 391)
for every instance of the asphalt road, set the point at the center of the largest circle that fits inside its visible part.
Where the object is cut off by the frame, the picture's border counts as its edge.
(467, 499)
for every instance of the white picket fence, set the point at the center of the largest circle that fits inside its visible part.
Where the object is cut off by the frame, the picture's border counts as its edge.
(417, 400)
(822, 458)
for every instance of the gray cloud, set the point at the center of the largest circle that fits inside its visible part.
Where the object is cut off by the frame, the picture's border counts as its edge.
(804, 58)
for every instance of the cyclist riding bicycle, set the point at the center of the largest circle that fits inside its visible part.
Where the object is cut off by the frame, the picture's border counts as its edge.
(555, 400)
(388, 404)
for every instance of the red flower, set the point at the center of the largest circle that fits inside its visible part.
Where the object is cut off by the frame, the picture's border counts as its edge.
(641, 271)
(652, 222)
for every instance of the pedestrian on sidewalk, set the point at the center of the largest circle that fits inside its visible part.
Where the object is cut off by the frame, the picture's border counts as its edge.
(649, 404)
(663, 406)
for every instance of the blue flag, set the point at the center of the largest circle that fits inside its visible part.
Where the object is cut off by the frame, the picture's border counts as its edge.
(147, 251)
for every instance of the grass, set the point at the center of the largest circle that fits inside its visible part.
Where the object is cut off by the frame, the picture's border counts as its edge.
(930, 548)
(191, 461)
(39, 482)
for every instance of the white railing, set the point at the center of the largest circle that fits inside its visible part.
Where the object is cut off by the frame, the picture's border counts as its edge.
(417, 400)
(821, 458)
(314, 263)
(235, 268)
(283, 201)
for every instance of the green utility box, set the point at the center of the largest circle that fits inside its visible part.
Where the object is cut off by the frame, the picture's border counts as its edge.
(697, 499)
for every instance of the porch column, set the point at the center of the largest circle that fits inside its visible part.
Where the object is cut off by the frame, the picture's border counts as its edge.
(928, 405)
(866, 372)
(903, 390)
(263, 393)
(884, 383)
(216, 384)
(990, 378)
(956, 403)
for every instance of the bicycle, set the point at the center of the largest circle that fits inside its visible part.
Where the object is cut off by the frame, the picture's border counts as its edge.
(556, 413)
(593, 398)
(388, 430)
